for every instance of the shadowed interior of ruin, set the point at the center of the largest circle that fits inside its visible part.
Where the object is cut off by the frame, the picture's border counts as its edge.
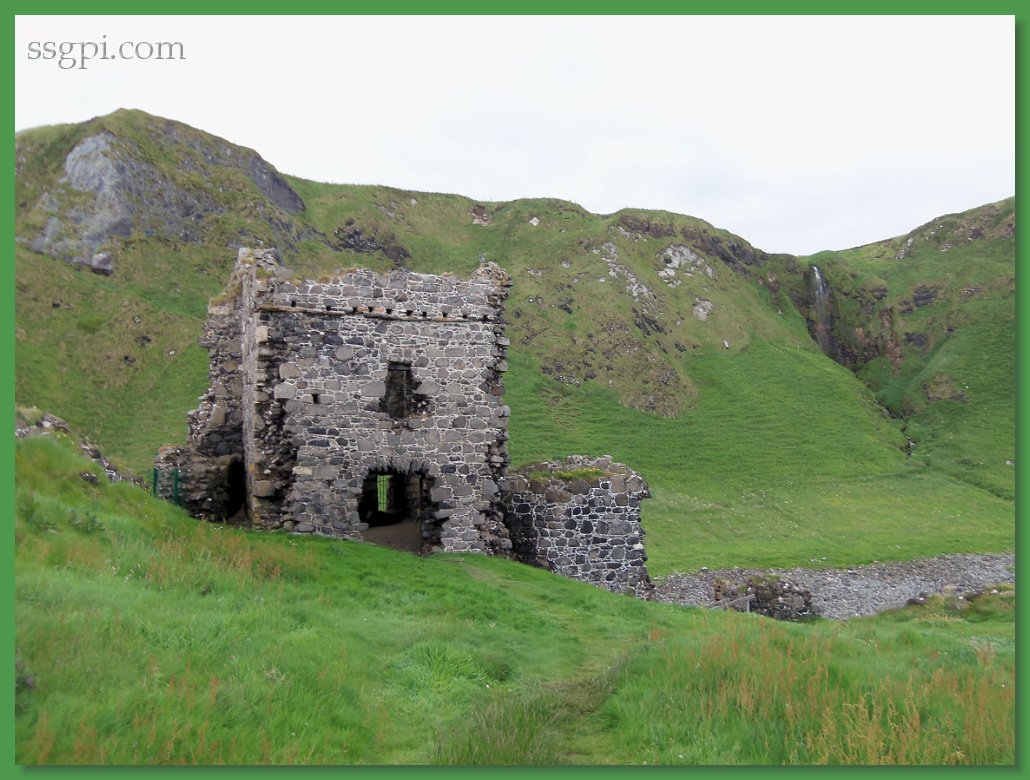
(236, 492)
(397, 509)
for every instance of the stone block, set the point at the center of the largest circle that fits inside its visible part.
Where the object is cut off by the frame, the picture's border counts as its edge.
(579, 486)
(373, 389)
(620, 527)
(263, 488)
(217, 417)
(284, 392)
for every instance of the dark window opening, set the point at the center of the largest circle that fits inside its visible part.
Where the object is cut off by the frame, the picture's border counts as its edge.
(293, 304)
(314, 398)
(235, 491)
(400, 399)
(398, 511)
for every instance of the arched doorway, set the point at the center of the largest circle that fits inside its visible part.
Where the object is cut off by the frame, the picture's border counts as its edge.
(397, 509)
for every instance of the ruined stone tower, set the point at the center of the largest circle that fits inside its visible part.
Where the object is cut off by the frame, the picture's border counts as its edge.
(370, 407)
(366, 405)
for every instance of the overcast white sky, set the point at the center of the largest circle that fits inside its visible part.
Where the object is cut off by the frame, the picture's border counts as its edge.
(797, 133)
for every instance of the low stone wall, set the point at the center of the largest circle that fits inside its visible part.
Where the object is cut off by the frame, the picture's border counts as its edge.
(580, 518)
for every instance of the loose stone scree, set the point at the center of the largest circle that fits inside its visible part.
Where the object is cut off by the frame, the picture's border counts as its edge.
(371, 407)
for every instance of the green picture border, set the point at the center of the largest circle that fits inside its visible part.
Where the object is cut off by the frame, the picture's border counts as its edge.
(1019, 10)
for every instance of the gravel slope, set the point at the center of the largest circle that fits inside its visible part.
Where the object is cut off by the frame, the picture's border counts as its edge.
(862, 590)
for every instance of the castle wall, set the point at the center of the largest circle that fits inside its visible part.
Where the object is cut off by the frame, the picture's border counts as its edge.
(213, 456)
(322, 353)
(309, 412)
(321, 391)
(585, 528)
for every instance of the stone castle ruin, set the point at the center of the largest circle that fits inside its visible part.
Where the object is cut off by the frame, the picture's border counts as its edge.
(580, 517)
(370, 407)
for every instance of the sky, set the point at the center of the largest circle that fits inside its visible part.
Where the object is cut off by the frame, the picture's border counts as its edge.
(797, 133)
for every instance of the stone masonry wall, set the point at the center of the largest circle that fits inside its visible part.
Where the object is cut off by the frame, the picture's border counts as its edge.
(323, 351)
(300, 374)
(215, 439)
(320, 389)
(586, 527)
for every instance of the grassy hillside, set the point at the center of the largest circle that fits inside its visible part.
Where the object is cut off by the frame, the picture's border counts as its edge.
(588, 303)
(944, 297)
(756, 473)
(145, 637)
(664, 341)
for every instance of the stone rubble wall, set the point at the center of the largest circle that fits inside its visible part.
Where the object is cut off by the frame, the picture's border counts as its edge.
(269, 451)
(399, 295)
(771, 596)
(215, 438)
(299, 372)
(299, 411)
(584, 528)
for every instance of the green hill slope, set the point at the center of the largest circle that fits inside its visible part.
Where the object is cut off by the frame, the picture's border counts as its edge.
(927, 320)
(144, 637)
(673, 345)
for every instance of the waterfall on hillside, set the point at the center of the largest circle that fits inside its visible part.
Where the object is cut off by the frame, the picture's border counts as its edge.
(821, 317)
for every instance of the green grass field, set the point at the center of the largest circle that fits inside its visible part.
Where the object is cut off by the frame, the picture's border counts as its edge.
(144, 637)
(760, 474)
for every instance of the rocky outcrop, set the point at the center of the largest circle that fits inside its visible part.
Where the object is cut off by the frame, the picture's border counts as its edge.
(679, 261)
(737, 254)
(109, 189)
(767, 595)
(351, 237)
(123, 194)
(273, 186)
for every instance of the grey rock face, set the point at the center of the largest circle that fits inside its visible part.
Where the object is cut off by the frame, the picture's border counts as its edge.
(273, 186)
(91, 167)
(88, 167)
(132, 194)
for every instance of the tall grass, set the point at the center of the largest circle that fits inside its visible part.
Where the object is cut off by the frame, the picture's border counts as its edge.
(765, 694)
(146, 637)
